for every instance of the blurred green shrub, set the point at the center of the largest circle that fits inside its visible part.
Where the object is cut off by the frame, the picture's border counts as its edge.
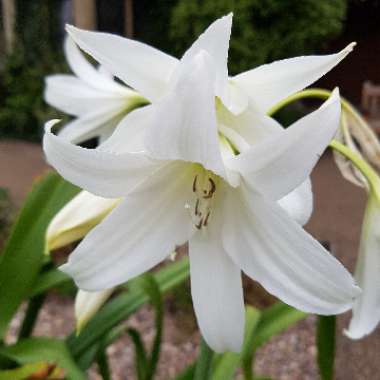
(37, 53)
(263, 30)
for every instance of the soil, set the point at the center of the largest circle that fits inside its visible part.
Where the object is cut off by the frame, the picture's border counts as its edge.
(337, 218)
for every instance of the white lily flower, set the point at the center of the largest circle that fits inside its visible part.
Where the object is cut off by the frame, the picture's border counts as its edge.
(181, 184)
(91, 95)
(366, 310)
(152, 72)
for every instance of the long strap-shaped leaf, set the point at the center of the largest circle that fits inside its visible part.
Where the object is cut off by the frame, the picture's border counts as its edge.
(260, 327)
(34, 350)
(123, 305)
(22, 257)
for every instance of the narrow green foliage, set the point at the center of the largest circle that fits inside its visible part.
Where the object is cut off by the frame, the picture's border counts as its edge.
(47, 280)
(31, 315)
(23, 255)
(187, 374)
(326, 327)
(53, 351)
(123, 305)
(102, 362)
(275, 320)
(22, 373)
(204, 362)
(225, 365)
(259, 328)
(152, 288)
(141, 360)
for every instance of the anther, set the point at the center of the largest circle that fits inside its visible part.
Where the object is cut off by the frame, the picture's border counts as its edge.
(199, 225)
(206, 219)
(213, 186)
(196, 207)
(195, 184)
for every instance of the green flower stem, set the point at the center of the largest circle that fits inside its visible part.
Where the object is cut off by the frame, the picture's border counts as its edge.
(317, 93)
(366, 169)
(203, 367)
(31, 314)
(102, 362)
(247, 364)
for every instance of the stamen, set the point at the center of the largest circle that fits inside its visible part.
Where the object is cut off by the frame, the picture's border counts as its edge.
(204, 188)
(206, 219)
(196, 207)
(213, 186)
(195, 184)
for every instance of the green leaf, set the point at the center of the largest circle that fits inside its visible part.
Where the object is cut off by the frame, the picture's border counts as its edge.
(102, 362)
(122, 306)
(204, 362)
(151, 287)
(141, 360)
(53, 351)
(260, 327)
(23, 255)
(47, 280)
(326, 326)
(226, 364)
(187, 374)
(275, 320)
(23, 372)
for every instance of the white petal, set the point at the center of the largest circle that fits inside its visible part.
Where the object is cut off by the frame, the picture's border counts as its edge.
(77, 218)
(238, 100)
(366, 310)
(74, 97)
(254, 127)
(129, 135)
(87, 305)
(93, 124)
(184, 126)
(144, 68)
(299, 203)
(283, 161)
(215, 40)
(216, 289)
(268, 84)
(274, 250)
(102, 173)
(138, 234)
(87, 72)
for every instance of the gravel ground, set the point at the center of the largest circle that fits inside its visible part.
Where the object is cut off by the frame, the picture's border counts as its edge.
(290, 356)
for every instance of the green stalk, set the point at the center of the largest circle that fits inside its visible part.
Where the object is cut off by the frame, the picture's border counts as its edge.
(102, 362)
(246, 367)
(31, 315)
(361, 165)
(317, 93)
(203, 367)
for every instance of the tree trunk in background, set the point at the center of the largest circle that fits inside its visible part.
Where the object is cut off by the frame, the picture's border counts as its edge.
(128, 18)
(84, 14)
(9, 15)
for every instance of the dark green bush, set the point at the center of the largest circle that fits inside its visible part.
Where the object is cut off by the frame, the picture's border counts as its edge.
(263, 30)
(37, 53)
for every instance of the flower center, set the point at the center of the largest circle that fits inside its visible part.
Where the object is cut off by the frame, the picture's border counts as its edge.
(204, 187)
